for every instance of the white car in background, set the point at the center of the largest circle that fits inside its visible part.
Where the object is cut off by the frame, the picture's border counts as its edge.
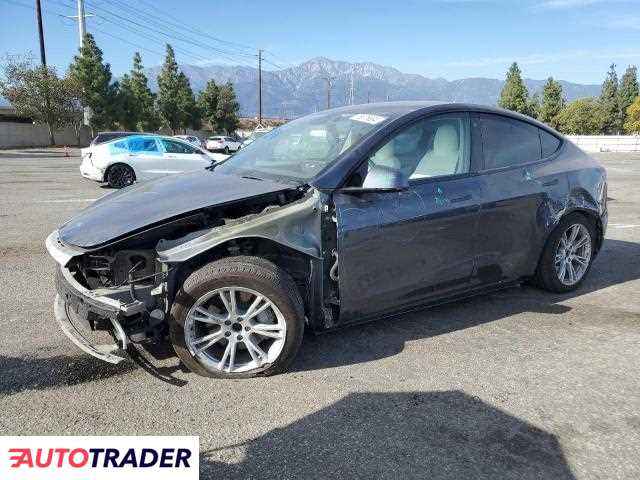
(192, 139)
(126, 160)
(220, 142)
(257, 133)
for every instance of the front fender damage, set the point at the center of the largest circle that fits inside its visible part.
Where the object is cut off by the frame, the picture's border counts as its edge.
(296, 226)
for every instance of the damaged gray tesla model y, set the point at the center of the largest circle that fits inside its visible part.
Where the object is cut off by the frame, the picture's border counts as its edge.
(339, 217)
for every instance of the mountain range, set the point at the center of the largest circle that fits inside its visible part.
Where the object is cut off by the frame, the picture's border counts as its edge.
(301, 89)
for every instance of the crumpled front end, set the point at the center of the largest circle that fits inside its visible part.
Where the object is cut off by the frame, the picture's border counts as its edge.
(91, 308)
(123, 287)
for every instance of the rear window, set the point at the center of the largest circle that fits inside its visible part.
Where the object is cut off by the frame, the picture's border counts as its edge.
(550, 143)
(507, 142)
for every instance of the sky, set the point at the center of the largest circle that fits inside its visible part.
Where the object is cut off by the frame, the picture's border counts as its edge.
(574, 40)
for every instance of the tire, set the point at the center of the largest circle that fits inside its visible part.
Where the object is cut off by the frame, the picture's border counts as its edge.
(547, 275)
(120, 175)
(246, 275)
(226, 150)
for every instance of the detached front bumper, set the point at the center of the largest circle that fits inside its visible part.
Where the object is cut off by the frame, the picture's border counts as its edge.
(77, 308)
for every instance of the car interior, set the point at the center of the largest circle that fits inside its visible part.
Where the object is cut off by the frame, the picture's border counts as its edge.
(430, 148)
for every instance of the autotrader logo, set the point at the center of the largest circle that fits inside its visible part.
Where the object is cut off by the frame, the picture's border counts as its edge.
(69, 458)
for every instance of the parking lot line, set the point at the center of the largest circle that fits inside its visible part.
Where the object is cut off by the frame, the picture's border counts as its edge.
(68, 200)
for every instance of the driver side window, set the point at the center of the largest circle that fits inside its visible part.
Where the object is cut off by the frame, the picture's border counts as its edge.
(177, 147)
(433, 147)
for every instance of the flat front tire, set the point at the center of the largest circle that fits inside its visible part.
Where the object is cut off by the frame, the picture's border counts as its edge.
(237, 317)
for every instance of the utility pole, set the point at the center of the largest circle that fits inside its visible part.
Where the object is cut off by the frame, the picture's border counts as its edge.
(368, 96)
(43, 57)
(82, 32)
(260, 87)
(352, 91)
(328, 80)
(82, 26)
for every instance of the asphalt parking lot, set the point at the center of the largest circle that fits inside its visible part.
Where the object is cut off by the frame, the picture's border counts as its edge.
(517, 384)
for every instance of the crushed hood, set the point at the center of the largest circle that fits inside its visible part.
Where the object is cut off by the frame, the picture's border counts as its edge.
(145, 204)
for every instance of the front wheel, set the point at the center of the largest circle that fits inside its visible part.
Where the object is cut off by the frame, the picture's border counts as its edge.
(568, 255)
(237, 317)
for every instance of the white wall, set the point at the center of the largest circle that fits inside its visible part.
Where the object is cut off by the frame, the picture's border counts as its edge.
(15, 135)
(607, 143)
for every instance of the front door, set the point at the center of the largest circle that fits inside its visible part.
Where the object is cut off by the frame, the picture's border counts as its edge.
(182, 157)
(401, 249)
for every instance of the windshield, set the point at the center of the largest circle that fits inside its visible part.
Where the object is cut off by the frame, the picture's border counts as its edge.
(299, 150)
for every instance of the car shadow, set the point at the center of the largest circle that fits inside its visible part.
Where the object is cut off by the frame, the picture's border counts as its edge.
(618, 262)
(434, 435)
(40, 373)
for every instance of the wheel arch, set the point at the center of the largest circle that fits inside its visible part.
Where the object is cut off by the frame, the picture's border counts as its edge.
(300, 265)
(585, 212)
(597, 221)
(111, 165)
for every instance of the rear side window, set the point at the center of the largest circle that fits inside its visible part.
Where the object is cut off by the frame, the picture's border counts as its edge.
(507, 142)
(550, 143)
(137, 145)
(119, 148)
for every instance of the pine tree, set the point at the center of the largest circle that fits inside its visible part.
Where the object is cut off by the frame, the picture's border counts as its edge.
(208, 104)
(94, 78)
(609, 103)
(628, 91)
(514, 95)
(128, 108)
(533, 106)
(228, 107)
(552, 103)
(189, 112)
(147, 118)
(168, 92)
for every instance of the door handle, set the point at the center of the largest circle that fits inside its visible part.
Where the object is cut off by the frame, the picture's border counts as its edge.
(464, 198)
(551, 183)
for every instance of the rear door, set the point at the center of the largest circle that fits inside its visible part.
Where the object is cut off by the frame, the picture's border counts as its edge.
(400, 249)
(522, 187)
(145, 156)
(182, 157)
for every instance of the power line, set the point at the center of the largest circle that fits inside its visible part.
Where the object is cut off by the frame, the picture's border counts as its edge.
(136, 32)
(200, 32)
(168, 35)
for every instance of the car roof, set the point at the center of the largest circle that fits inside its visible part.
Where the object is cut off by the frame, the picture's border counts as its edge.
(402, 108)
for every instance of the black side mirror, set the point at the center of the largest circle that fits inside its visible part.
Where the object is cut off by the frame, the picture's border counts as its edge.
(381, 179)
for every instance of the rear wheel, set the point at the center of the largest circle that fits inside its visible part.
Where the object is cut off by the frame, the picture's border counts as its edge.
(226, 150)
(237, 317)
(120, 175)
(568, 254)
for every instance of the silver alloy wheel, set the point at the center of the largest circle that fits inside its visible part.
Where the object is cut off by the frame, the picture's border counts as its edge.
(573, 254)
(234, 330)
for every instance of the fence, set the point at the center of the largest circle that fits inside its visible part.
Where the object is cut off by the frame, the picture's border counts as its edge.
(607, 143)
(17, 135)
